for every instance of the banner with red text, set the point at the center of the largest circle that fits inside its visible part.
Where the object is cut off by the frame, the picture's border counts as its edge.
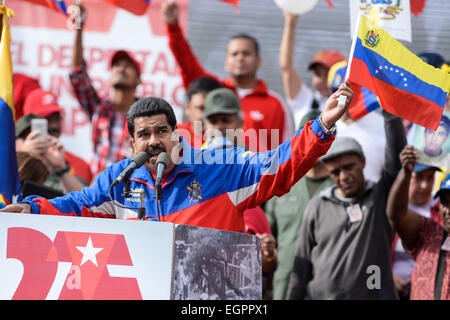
(73, 258)
(42, 48)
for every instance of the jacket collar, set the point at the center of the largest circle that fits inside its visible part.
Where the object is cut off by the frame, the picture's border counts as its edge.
(329, 193)
(261, 88)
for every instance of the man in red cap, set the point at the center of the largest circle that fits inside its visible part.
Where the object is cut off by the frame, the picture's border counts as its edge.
(109, 134)
(43, 103)
(299, 97)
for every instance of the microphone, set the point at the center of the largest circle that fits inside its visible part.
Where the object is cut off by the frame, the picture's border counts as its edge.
(137, 162)
(161, 163)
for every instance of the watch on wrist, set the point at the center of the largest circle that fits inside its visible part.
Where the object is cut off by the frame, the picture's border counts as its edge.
(328, 132)
(61, 172)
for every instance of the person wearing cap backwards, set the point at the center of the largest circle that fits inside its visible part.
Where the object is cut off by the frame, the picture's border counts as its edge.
(109, 134)
(421, 201)
(195, 191)
(67, 171)
(300, 98)
(345, 239)
(426, 239)
(262, 109)
(223, 122)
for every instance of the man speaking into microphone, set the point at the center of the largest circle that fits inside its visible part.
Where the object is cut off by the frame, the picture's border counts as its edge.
(197, 187)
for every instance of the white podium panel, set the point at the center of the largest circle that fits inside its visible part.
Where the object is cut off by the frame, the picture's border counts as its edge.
(66, 258)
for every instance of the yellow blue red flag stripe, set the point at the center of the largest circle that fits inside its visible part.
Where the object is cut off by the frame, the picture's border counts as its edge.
(137, 7)
(61, 5)
(406, 86)
(10, 190)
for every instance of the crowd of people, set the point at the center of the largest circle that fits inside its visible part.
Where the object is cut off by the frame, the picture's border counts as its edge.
(343, 208)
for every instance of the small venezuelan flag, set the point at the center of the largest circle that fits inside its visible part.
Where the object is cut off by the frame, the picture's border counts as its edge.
(406, 86)
(137, 7)
(363, 100)
(10, 190)
(58, 5)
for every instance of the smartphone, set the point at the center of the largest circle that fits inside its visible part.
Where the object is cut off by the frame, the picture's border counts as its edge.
(41, 125)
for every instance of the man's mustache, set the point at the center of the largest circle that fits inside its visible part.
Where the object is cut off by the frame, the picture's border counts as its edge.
(157, 148)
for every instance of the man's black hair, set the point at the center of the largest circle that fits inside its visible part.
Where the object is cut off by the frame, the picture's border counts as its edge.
(203, 85)
(148, 107)
(248, 37)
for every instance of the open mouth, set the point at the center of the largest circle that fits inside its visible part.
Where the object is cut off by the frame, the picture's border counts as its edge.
(154, 153)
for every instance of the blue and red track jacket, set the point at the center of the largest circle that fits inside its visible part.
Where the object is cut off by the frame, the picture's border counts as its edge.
(208, 188)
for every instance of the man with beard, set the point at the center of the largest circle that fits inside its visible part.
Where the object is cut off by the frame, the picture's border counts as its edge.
(109, 134)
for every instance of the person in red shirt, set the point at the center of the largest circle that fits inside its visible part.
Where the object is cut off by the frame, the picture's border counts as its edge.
(427, 240)
(267, 121)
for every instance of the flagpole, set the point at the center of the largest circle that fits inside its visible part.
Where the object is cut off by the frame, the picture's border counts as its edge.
(352, 49)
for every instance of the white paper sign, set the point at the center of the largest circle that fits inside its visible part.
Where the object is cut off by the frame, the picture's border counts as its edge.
(394, 16)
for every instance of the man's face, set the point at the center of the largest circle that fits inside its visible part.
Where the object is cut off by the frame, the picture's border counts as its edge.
(195, 107)
(54, 124)
(434, 141)
(319, 80)
(241, 60)
(347, 173)
(154, 135)
(421, 187)
(221, 122)
(444, 209)
(124, 75)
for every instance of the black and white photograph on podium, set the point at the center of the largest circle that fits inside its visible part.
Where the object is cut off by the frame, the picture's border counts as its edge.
(216, 265)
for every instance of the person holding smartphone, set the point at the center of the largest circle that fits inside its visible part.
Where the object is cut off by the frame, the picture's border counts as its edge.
(38, 133)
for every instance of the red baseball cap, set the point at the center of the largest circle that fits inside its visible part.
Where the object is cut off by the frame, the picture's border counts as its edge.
(122, 54)
(42, 103)
(23, 85)
(327, 58)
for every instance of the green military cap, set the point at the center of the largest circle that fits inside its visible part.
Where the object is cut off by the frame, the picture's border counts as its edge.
(221, 101)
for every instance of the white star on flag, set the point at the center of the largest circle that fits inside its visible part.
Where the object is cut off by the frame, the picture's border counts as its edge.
(89, 253)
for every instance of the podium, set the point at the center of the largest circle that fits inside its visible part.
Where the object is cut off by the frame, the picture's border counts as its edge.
(66, 258)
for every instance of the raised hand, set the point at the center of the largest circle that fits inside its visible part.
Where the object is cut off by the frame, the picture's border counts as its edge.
(332, 112)
(409, 158)
(170, 11)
